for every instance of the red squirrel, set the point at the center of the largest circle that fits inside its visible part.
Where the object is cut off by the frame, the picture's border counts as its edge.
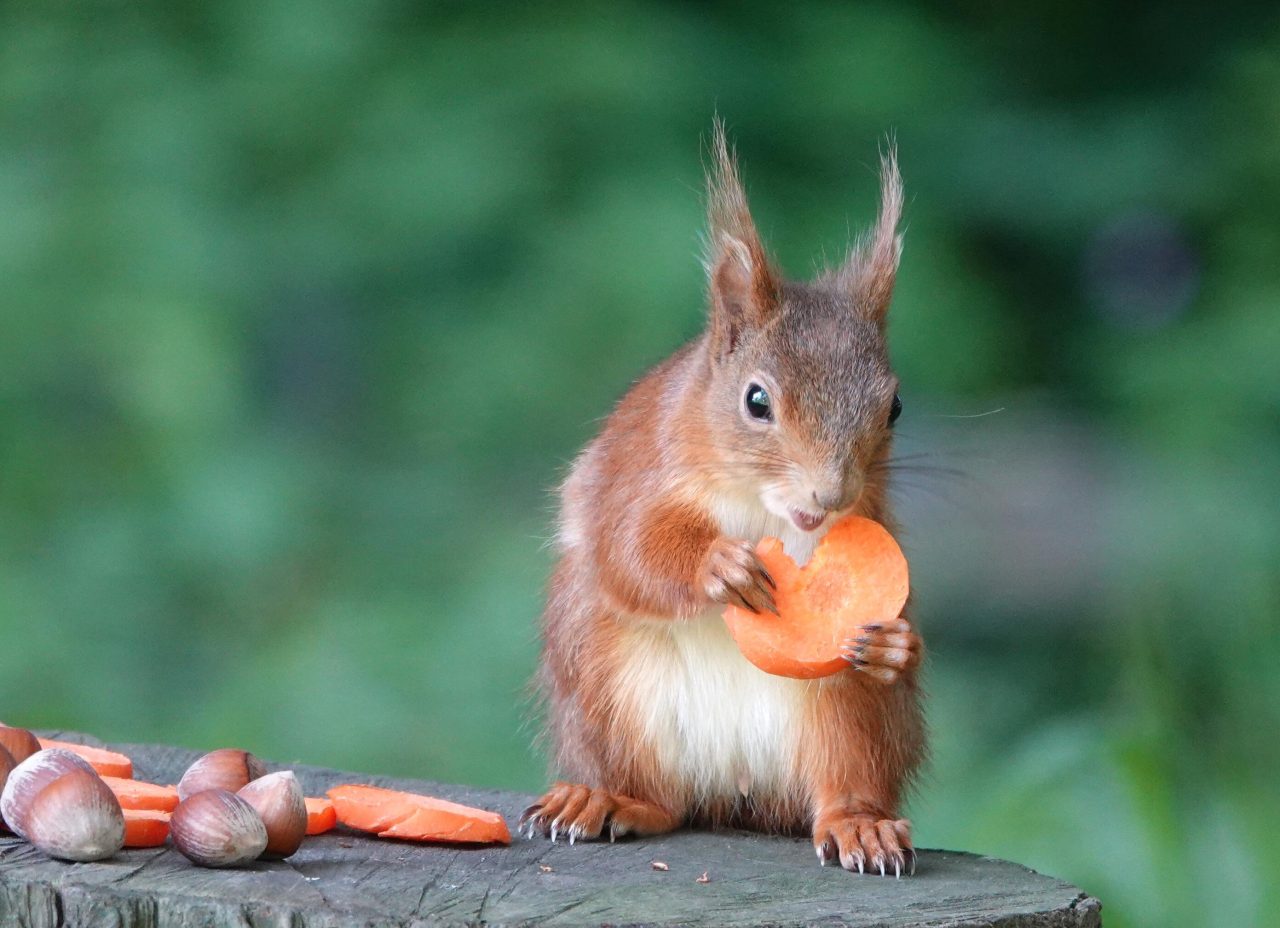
(777, 420)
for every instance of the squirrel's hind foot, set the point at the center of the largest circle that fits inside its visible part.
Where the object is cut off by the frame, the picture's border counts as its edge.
(865, 844)
(581, 813)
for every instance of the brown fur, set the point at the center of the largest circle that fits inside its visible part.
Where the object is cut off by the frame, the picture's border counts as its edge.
(641, 543)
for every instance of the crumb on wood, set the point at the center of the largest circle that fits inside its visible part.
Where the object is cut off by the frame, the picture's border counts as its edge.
(659, 865)
(545, 868)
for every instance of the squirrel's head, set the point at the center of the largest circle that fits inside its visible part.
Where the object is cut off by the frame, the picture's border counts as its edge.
(802, 399)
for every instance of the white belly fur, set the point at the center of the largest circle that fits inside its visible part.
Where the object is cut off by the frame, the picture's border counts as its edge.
(713, 719)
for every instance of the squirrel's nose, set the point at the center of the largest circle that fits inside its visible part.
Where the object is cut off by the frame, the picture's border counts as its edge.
(829, 498)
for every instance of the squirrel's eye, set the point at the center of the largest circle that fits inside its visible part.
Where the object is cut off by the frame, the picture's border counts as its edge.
(895, 410)
(759, 406)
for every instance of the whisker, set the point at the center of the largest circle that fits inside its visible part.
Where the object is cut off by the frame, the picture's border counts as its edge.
(938, 469)
(905, 488)
(976, 415)
(913, 456)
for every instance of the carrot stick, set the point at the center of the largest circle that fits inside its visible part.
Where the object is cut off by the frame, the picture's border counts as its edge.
(107, 763)
(135, 794)
(145, 827)
(321, 816)
(393, 814)
(857, 575)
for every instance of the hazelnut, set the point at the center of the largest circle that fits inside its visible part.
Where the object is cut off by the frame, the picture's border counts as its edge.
(215, 828)
(229, 769)
(278, 800)
(29, 778)
(7, 763)
(76, 817)
(19, 742)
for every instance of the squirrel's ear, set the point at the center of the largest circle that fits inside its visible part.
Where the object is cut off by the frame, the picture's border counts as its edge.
(869, 272)
(743, 286)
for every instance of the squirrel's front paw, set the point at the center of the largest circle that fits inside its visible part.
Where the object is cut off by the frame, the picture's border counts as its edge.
(884, 650)
(732, 573)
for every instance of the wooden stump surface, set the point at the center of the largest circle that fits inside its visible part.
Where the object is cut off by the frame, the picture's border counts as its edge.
(344, 880)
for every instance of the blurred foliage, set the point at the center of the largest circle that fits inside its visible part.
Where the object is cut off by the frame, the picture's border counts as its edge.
(307, 306)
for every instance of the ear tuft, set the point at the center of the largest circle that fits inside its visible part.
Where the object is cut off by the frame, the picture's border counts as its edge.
(743, 285)
(871, 269)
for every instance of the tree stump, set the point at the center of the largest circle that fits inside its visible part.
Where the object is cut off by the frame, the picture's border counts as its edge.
(345, 880)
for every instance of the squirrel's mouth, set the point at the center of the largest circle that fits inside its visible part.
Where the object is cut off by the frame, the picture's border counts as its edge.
(806, 521)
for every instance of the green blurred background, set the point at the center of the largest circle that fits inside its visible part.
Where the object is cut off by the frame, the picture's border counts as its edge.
(306, 307)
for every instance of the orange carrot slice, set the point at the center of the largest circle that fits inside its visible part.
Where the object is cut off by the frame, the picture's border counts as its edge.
(321, 816)
(135, 794)
(145, 827)
(857, 575)
(392, 814)
(107, 763)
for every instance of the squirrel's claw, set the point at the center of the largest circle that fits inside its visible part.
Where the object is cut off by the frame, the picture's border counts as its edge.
(581, 813)
(884, 651)
(759, 599)
(732, 573)
(530, 821)
(866, 844)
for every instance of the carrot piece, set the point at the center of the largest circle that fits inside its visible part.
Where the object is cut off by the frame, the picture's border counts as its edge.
(321, 816)
(392, 814)
(135, 794)
(145, 827)
(857, 575)
(107, 763)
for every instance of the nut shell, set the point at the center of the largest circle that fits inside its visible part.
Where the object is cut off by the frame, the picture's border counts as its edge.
(19, 742)
(279, 802)
(229, 769)
(76, 817)
(28, 780)
(215, 828)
